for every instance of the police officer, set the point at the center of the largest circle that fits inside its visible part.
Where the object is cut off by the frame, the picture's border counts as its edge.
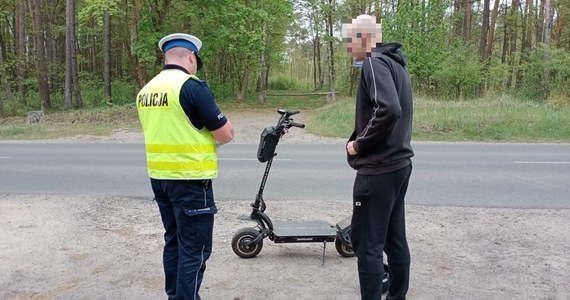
(182, 124)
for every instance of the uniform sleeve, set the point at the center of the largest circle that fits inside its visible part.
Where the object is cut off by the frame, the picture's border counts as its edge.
(386, 108)
(199, 104)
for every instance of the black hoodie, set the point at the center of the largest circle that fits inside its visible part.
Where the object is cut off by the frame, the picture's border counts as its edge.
(383, 118)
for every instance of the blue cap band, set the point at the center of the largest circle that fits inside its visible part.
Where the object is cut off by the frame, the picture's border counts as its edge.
(179, 43)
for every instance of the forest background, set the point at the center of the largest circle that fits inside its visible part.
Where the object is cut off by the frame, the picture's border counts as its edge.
(92, 54)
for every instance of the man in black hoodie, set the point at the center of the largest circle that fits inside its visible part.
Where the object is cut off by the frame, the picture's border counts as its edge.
(379, 149)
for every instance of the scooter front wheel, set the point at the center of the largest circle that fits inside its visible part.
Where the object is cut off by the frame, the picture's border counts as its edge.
(241, 243)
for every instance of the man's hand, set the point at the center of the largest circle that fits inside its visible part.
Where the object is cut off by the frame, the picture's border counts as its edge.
(350, 148)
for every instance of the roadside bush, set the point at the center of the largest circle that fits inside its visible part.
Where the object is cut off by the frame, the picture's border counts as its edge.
(123, 92)
(534, 86)
(282, 83)
(558, 101)
(459, 74)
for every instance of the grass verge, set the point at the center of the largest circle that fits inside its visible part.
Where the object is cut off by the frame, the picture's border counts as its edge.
(500, 119)
(102, 121)
(95, 121)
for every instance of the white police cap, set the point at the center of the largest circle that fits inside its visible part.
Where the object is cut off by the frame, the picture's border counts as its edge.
(187, 41)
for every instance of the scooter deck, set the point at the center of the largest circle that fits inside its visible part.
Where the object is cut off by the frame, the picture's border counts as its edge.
(303, 232)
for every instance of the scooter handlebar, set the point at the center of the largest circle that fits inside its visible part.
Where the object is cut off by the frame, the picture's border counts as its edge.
(295, 124)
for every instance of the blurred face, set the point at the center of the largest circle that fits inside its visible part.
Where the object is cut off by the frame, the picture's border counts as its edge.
(361, 36)
(358, 45)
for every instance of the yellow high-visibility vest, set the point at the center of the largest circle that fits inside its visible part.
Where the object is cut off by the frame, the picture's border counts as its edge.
(175, 149)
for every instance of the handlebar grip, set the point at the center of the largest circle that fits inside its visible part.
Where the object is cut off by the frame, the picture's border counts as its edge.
(300, 125)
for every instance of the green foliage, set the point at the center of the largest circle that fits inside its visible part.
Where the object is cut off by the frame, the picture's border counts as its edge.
(459, 74)
(283, 82)
(95, 10)
(222, 90)
(124, 94)
(239, 34)
(235, 34)
(422, 31)
(559, 65)
(497, 76)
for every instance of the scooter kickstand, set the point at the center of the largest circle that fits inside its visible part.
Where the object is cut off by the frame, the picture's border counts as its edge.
(324, 248)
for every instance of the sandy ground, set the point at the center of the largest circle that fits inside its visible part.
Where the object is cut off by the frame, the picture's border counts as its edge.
(76, 247)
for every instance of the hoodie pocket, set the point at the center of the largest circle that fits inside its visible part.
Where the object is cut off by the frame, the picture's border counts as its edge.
(349, 158)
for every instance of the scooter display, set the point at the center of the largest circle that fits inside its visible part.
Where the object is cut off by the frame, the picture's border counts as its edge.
(248, 242)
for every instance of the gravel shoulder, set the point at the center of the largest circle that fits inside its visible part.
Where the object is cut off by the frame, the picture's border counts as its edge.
(77, 247)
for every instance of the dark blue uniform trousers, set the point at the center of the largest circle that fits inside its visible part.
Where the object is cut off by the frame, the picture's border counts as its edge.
(378, 225)
(187, 210)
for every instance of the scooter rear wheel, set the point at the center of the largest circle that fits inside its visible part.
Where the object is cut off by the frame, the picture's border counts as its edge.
(241, 238)
(385, 280)
(342, 249)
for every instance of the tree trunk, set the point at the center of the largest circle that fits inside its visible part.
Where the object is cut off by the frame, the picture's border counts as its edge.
(455, 28)
(68, 100)
(491, 35)
(331, 53)
(21, 48)
(527, 39)
(94, 42)
(354, 72)
(378, 11)
(262, 80)
(6, 86)
(49, 22)
(313, 26)
(43, 86)
(540, 23)
(319, 65)
(74, 68)
(141, 70)
(559, 24)
(484, 30)
(467, 20)
(513, 37)
(107, 57)
(72, 89)
(547, 31)
(243, 84)
(514, 25)
(505, 36)
(264, 70)
(314, 63)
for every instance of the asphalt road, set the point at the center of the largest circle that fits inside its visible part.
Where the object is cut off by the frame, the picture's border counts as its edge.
(457, 174)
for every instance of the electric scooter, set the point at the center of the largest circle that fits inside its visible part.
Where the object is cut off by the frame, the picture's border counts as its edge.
(248, 242)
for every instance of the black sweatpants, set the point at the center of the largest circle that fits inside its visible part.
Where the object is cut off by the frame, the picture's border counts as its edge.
(378, 225)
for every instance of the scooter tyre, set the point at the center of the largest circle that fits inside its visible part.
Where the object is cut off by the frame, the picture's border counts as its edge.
(342, 249)
(246, 235)
(385, 279)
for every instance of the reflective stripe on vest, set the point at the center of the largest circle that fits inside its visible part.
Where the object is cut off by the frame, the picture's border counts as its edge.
(175, 149)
